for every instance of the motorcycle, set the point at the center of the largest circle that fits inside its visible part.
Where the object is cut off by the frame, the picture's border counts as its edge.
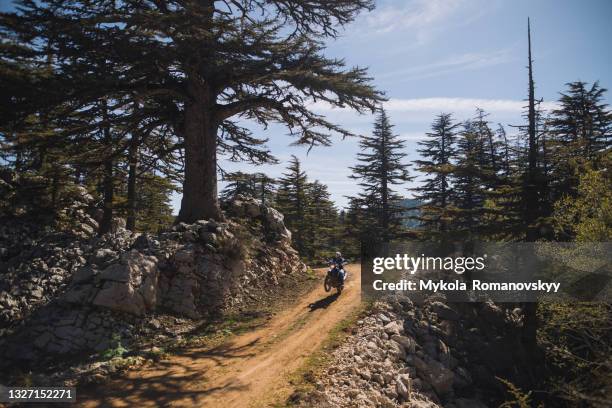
(333, 279)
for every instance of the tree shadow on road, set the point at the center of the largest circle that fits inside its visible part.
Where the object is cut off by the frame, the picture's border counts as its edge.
(177, 381)
(323, 303)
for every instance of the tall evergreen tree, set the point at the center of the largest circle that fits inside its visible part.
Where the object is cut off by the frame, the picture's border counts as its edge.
(256, 185)
(504, 218)
(348, 234)
(238, 183)
(469, 176)
(436, 192)
(380, 169)
(291, 201)
(581, 131)
(322, 226)
(265, 188)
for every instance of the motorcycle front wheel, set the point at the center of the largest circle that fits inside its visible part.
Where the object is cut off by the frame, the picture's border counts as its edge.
(327, 284)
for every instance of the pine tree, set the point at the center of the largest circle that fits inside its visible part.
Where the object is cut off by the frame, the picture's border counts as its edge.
(291, 201)
(321, 222)
(436, 192)
(469, 175)
(588, 216)
(265, 188)
(381, 168)
(491, 161)
(256, 185)
(348, 233)
(504, 218)
(581, 131)
(238, 183)
(151, 209)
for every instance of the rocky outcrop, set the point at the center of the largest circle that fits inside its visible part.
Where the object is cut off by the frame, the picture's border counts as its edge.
(194, 271)
(407, 355)
(129, 285)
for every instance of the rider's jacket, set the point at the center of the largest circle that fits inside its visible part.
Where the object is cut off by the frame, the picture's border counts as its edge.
(339, 262)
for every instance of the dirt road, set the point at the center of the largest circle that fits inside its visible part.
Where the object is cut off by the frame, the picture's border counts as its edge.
(249, 370)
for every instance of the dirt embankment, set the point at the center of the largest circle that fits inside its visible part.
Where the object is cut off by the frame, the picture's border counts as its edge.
(252, 369)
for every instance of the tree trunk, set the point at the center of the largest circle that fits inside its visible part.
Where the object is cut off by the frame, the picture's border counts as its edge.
(532, 210)
(200, 200)
(385, 192)
(107, 215)
(531, 205)
(108, 187)
(131, 187)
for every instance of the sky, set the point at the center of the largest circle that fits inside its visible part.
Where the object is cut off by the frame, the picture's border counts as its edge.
(433, 56)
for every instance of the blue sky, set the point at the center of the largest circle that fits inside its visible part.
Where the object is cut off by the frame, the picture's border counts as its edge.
(433, 56)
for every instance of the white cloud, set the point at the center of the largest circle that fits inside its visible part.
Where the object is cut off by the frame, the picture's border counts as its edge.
(421, 19)
(413, 14)
(459, 105)
(440, 104)
(456, 63)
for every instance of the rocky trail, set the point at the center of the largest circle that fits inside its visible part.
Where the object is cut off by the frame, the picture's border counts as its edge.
(249, 370)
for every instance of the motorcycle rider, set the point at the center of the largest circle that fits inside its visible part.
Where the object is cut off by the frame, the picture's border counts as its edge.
(339, 262)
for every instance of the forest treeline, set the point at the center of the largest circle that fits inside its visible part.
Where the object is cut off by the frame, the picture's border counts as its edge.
(473, 181)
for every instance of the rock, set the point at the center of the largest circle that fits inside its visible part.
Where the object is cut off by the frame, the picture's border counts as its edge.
(131, 286)
(190, 236)
(435, 374)
(443, 311)
(378, 378)
(144, 241)
(392, 328)
(463, 379)
(444, 355)
(406, 342)
(396, 351)
(184, 255)
(383, 318)
(36, 293)
(274, 223)
(402, 390)
(208, 237)
(118, 224)
(103, 256)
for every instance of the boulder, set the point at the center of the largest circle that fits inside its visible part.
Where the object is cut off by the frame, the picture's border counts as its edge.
(275, 224)
(130, 286)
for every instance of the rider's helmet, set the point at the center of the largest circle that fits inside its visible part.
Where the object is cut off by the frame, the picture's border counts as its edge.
(338, 254)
